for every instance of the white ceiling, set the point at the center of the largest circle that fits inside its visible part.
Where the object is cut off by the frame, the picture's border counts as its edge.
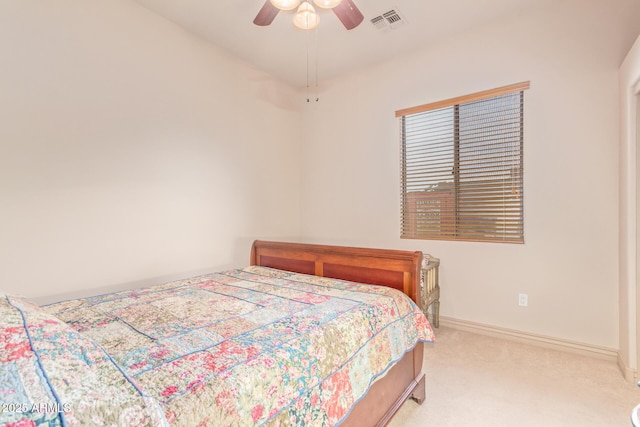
(281, 50)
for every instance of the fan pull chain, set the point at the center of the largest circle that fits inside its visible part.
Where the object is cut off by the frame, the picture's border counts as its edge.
(308, 42)
(317, 97)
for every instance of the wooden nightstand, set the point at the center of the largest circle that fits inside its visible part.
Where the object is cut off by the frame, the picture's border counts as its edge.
(429, 282)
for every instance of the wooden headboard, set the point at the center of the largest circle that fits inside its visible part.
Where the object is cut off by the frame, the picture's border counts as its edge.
(393, 268)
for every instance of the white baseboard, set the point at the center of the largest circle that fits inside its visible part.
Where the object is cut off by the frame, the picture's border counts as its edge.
(540, 341)
(630, 374)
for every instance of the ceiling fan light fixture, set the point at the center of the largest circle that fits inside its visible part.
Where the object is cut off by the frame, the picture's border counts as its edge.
(327, 4)
(285, 4)
(306, 17)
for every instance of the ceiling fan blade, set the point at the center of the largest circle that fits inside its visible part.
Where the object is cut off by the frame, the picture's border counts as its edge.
(266, 15)
(348, 14)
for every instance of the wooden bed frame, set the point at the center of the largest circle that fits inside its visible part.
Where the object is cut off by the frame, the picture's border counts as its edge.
(393, 268)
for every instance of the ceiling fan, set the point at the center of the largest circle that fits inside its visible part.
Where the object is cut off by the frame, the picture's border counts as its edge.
(305, 17)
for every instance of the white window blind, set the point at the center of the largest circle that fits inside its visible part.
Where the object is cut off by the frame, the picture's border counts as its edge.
(462, 167)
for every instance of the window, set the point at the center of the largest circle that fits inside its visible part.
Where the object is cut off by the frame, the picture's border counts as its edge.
(462, 167)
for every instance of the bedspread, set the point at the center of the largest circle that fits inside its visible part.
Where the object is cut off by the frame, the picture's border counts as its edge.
(255, 346)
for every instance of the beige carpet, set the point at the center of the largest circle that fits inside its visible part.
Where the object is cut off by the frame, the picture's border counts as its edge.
(475, 380)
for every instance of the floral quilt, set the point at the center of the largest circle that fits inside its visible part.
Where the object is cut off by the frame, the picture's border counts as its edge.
(50, 375)
(255, 346)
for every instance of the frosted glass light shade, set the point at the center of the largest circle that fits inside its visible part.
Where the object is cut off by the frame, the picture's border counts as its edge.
(327, 4)
(285, 4)
(306, 17)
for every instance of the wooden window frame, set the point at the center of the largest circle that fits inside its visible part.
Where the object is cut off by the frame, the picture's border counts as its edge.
(450, 221)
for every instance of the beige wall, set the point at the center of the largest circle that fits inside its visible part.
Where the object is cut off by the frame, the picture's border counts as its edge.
(571, 52)
(131, 150)
(629, 253)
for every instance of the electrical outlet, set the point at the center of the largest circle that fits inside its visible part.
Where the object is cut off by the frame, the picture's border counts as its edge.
(523, 300)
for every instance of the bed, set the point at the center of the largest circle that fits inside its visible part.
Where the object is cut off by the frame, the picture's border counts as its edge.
(304, 335)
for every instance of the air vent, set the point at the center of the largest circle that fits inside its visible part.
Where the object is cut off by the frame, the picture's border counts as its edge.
(391, 19)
